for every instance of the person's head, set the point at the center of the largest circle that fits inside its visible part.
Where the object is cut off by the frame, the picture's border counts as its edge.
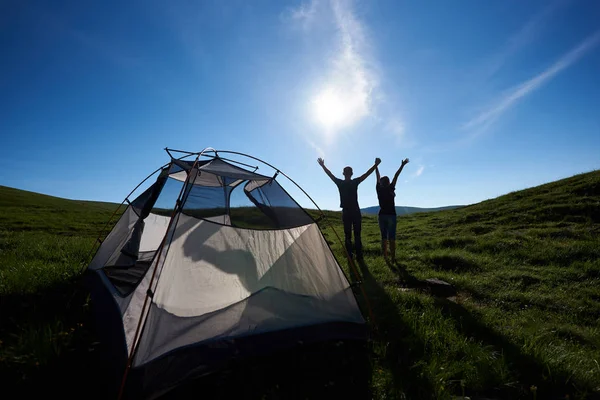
(347, 172)
(385, 181)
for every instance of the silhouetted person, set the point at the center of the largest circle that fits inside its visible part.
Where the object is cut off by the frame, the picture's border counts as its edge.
(386, 192)
(351, 215)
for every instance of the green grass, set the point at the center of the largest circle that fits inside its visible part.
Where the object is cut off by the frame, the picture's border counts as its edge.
(44, 244)
(525, 322)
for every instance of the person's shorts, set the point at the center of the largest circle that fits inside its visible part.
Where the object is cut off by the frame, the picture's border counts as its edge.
(387, 226)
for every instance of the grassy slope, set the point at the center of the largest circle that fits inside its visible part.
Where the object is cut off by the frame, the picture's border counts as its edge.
(526, 266)
(44, 244)
(43, 238)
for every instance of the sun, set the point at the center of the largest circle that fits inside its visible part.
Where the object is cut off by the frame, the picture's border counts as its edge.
(329, 108)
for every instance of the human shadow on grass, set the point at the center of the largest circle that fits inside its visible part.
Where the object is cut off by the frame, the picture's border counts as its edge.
(527, 369)
(403, 348)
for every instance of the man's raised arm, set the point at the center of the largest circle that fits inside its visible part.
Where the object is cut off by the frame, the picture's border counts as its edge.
(377, 174)
(370, 171)
(404, 162)
(327, 171)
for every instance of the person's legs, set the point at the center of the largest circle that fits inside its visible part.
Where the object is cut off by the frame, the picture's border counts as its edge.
(392, 237)
(357, 222)
(384, 232)
(347, 220)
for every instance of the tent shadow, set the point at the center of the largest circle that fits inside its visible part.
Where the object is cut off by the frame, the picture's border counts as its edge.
(403, 348)
(317, 371)
(55, 323)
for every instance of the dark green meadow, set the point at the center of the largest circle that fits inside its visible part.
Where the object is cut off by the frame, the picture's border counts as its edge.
(524, 322)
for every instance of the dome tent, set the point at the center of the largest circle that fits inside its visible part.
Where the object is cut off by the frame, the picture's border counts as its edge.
(210, 262)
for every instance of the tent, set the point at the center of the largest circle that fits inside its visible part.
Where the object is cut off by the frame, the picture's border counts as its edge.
(213, 261)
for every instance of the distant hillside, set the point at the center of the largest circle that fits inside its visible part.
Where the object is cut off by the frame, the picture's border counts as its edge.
(35, 212)
(405, 210)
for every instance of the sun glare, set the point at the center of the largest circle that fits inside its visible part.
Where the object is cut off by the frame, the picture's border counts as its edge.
(329, 108)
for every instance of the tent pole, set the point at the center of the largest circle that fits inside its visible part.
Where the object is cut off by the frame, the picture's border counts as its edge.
(137, 330)
(206, 155)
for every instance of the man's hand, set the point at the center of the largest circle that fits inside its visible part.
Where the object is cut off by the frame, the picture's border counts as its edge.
(321, 162)
(377, 161)
(405, 161)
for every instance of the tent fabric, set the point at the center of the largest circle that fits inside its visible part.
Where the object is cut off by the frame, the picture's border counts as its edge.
(155, 227)
(210, 266)
(213, 168)
(215, 272)
(115, 239)
(267, 310)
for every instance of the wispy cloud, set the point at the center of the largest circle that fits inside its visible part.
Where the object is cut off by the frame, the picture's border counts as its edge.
(419, 172)
(396, 128)
(344, 95)
(521, 39)
(114, 52)
(318, 149)
(489, 116)
(304, 14)
(107, 50)
(350, 77)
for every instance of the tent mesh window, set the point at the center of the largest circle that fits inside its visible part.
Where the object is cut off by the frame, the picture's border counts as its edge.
(249, 204)
(270, 207)
(233, 196)
(129, 264)
(165, 203)
(207, 198)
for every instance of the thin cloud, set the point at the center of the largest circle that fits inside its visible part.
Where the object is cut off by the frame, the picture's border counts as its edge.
(346, 89)
(419, 172)
(521, 39)
(319, 151)
(489, 116)
(106, 50)
(396, 128)
(304, 14)
(350, 76)
(344, 95)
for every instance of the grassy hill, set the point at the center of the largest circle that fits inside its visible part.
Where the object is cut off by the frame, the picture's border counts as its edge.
(524, 323)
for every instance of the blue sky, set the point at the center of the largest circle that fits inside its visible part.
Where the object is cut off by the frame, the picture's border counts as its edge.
(484, 97)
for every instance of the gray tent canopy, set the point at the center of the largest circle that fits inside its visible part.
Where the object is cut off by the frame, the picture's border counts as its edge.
(214, 260)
